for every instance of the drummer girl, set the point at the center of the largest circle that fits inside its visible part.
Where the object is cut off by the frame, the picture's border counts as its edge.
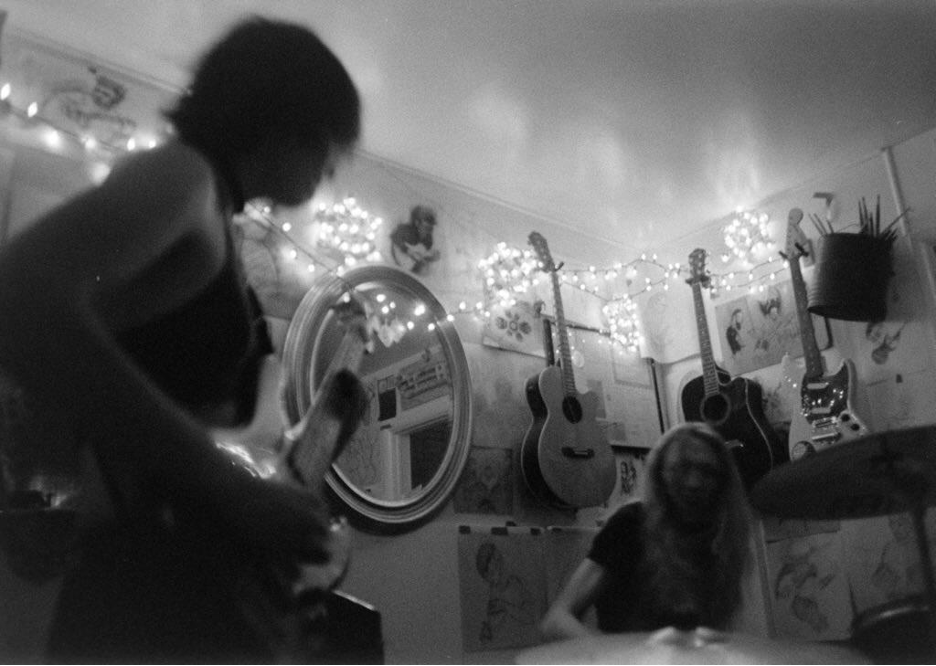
(676, 558)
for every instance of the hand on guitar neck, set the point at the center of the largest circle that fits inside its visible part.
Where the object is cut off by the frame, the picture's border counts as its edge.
(283, 577)
(301, 532)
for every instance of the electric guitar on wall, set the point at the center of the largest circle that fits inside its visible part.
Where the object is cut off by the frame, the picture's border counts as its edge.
(733, 406)
(566, 459)
(824, 415)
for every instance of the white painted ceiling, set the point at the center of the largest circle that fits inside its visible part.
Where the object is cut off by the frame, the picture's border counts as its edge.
(635, 121)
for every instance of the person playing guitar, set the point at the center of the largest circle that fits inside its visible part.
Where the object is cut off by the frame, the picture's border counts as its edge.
(127, 316)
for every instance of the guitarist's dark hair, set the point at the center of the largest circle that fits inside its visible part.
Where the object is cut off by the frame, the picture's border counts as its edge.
(679, 560)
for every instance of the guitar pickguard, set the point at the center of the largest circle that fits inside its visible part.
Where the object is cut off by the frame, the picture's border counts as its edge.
(826, 416)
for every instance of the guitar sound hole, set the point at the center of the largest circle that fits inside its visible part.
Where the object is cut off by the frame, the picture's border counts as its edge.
(715, 409)
(572, 409)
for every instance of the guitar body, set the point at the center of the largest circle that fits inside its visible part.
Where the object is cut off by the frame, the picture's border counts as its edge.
(736, 411)
(261, 449)
(283, 603)
(825, 415)
(565, 458)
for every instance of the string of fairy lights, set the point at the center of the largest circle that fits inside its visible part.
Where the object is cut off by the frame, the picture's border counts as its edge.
(510, 273)
(342, 235)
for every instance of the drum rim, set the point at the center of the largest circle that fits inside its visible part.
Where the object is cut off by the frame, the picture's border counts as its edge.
(888, 610)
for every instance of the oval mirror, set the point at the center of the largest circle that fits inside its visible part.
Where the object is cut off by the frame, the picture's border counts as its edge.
(406, 457)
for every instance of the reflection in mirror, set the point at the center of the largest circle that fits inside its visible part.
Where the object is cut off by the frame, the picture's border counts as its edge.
(408, 453)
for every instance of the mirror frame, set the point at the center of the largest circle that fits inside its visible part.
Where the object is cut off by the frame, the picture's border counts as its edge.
(299, 354)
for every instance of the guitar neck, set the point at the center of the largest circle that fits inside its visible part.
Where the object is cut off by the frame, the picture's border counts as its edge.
(709, 371)
(565, 353)
(315, 437)
(814, 367)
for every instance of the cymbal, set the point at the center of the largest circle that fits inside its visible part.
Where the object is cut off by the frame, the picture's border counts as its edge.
(876, 475)
(672, 646)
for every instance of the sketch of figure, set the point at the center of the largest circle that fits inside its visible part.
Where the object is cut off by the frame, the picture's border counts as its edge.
(733, 332)
(91, 109)
(799, 581)
(411, 241)
(883, 341)
(628, 473)
(898, 573)
(510, 605)
(772, 335)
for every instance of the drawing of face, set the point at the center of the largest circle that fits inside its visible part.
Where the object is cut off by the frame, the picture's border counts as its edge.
(424, 227)
(737, 318)
(107, 93)
(772, 306)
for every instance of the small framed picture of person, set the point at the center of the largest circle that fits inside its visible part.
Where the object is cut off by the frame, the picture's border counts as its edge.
(411, 242)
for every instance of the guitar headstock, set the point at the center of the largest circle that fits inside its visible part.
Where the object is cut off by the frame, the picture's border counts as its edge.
(698, 273)
(542, 251)
(795, 238)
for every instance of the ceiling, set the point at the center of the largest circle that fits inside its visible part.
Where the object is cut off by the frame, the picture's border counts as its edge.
(635, 121)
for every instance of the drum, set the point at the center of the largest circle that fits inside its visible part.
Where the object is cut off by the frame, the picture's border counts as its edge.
(897, 632)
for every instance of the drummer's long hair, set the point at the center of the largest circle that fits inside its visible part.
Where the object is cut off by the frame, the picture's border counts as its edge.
(694, 576)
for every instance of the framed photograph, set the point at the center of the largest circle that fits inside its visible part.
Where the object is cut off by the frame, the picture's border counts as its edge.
(756, 330)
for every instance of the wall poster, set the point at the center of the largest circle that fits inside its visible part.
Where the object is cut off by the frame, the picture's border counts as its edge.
(756, 330)
(503, 590)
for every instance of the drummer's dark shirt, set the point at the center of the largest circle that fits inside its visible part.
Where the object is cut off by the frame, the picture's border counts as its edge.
(618, 547)
(626, 603)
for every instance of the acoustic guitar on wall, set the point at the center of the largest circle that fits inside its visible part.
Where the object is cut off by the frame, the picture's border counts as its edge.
(824, 415)
(733, 406)
(566, 459)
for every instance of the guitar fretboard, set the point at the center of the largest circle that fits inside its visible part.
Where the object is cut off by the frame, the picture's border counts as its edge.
(312, 456)
(807, 332)
(709, 371)
(565, 353)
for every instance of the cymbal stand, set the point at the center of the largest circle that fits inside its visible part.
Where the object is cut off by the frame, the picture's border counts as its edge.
(914, 487)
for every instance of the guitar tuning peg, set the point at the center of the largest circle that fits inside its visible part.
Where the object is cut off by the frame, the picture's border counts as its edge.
(802, 250)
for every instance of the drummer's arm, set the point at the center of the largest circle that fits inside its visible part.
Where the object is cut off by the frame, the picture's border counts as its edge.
(564, 618)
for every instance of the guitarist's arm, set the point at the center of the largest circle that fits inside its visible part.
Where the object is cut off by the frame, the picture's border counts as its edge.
(62, 348)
